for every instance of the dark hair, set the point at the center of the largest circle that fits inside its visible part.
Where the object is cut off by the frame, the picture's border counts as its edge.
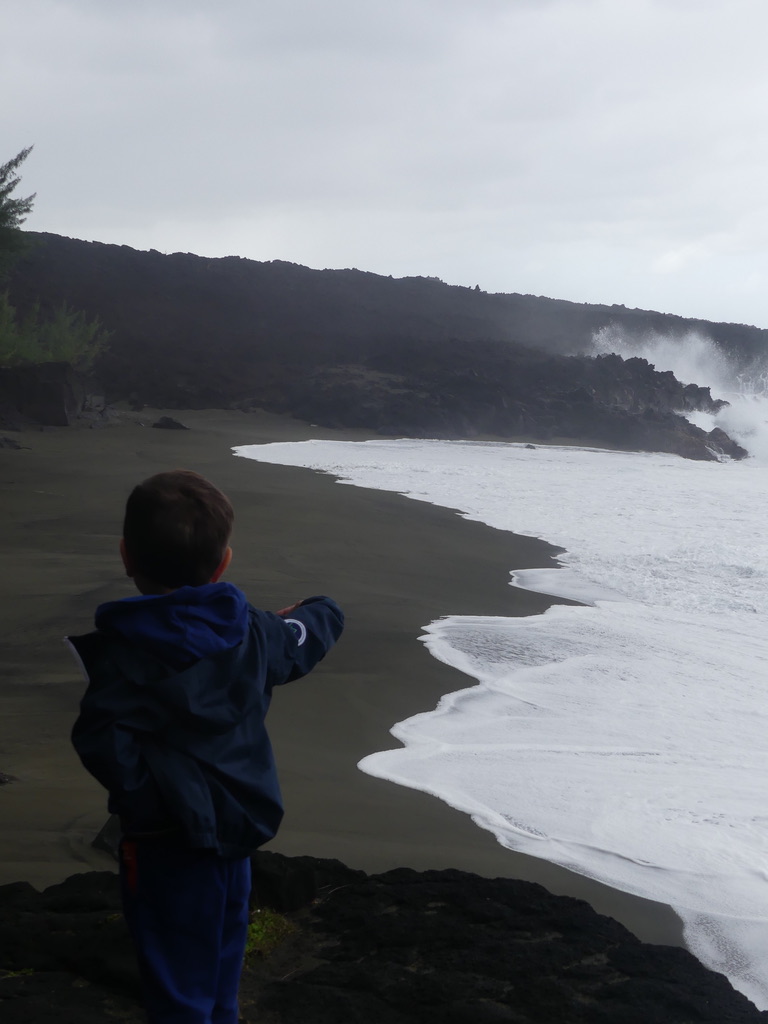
(176, 529)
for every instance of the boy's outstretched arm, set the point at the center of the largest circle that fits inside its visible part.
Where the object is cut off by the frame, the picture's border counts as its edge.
(310, 627)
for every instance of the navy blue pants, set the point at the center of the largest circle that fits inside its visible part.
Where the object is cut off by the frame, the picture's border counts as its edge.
(187, 911)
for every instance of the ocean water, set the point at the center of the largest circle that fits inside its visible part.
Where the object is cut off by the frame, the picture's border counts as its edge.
(627, 738)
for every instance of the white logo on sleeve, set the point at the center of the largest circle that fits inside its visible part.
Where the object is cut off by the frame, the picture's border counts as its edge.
(298, 629)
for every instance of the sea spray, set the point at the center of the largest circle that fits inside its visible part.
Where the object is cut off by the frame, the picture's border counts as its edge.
(695, 358)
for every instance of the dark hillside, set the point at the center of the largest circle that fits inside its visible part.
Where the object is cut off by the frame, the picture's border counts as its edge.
(256, 303)
(348, 348)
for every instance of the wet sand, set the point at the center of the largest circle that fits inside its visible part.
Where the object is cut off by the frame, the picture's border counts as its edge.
(393, 564)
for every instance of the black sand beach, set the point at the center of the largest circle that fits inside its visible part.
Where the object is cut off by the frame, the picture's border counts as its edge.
(393, 564)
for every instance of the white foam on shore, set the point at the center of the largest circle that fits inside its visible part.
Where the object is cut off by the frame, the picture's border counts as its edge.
(627, 741)
(563, 583)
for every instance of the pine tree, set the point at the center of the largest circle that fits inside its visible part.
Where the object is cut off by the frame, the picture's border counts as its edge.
(13, 212)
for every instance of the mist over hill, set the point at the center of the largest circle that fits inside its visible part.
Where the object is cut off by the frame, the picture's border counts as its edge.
(349, 348)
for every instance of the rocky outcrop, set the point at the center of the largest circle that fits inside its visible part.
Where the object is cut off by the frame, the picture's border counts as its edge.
(48, 394)
(405, 947)
(503, 392)
(507, 392)
(169, 423)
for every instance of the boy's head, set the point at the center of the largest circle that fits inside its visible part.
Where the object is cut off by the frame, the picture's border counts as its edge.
(176, 531)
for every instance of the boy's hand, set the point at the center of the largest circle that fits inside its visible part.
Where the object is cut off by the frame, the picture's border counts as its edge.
(287, 611)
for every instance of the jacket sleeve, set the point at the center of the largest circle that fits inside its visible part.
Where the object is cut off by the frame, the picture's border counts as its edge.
(307, 634)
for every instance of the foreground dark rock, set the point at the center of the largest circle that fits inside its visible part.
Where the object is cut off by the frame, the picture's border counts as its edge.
(400, 948)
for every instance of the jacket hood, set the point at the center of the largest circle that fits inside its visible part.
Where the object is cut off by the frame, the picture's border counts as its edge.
(180, 627)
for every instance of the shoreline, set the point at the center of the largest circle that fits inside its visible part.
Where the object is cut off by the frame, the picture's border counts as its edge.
(393, 563)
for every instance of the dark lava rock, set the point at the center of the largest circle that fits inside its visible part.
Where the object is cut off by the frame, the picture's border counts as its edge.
(405, 947)
(722, 445)
(446, 946)
(65, 954)
(47, 394)
(169, 423)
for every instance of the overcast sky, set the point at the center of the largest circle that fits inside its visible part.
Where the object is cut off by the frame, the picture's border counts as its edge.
(595, 150)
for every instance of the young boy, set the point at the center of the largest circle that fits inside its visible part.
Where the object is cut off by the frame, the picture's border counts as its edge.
(172, 725)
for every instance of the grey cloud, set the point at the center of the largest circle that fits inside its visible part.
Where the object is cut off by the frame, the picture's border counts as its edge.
(581, 148)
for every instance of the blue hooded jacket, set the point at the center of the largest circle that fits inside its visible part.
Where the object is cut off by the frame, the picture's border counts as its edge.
(172, 722)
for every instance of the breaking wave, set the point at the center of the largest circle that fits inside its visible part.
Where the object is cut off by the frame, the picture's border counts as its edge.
(695, 358)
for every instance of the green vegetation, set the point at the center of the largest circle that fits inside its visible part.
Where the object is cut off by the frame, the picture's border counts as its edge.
(266, 931)
(64, 336)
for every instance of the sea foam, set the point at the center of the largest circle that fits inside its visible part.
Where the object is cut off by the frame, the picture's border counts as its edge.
(628, 739)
